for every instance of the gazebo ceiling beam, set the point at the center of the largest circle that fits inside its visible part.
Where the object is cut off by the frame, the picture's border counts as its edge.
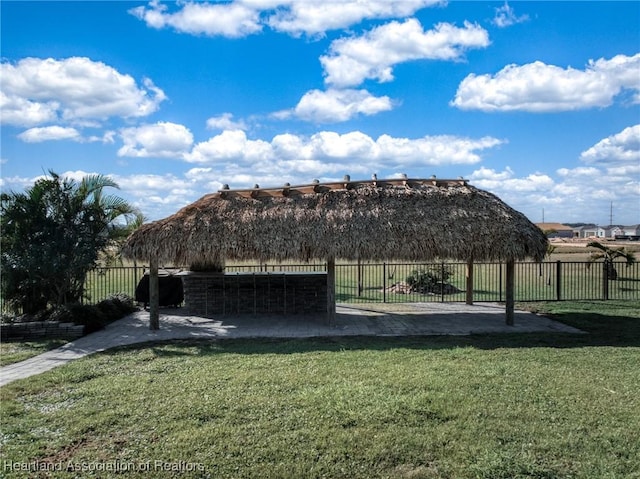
(346, 184)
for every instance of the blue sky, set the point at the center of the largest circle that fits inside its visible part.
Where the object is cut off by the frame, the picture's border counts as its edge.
(537, 102)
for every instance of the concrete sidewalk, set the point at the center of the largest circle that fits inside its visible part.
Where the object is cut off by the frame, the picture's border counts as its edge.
(409, 319)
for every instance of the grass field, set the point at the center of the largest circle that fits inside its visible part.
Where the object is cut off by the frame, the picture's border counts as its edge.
(13, 352)
(491, 406)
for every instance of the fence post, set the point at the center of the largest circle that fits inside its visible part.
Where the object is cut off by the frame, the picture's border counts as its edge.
(605, 280)
(500, 281)
(331, 291)
(384, 282)
(469, 282)
(558, 280)
(442, 282)
(154, 298)
(510, 296)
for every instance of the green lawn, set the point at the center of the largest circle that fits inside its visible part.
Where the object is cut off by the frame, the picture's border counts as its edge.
(490, 406)
(13, 352)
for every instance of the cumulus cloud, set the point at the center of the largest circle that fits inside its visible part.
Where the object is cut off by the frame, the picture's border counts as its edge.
(231, 20)
(228, 146)
(372, 56)
(61, 133)
(349, 150)
(538, 87)
(506, 16)
(76, 89)
(158, 196)
(241, 18)
(575, 194)
(225, 122)
(336, 105)
(48, 133)
(19, 111)
(315, 18)
(584, 172)
(621, 147)
(505, 180)
(159, 140)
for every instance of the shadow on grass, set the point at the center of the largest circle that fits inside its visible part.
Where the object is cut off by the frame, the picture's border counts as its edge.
(601, 330)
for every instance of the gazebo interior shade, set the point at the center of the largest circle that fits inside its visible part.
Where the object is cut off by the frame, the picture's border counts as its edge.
(404, 219)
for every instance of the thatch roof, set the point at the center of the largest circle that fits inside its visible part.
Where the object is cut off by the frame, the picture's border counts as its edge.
(408, 219)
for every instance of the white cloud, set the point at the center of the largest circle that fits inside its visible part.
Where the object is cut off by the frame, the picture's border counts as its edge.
(15, 110)
(150, 184)
(157, 196)
(625, 170)
(315, 18)
(334, 146)
(578, 194)
(160, 140)
(621, 147)
(228, 146)
(240, 18)
(584, 172)
(506, 16)
(336, 105)
(349, 150)
(48, 133)
(538, 87)
(225, 122)
(231, 20)
(75, 89)
(372, 56)
(492, 180)
(434, 150)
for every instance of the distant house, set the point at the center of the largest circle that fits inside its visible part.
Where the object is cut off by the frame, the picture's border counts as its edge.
(633, 230)
(556, 230)
(612, 232)
(615, 231)
(630, 233)
(586, 231)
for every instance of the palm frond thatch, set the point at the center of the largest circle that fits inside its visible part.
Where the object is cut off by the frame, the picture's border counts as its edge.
(376, 220)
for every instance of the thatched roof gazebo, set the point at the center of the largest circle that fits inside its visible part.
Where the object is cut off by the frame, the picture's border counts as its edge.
(403, 219)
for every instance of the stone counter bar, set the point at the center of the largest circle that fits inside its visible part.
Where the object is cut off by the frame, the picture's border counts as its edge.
(209, 294)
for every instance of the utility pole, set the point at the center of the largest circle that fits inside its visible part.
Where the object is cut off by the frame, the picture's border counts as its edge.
(611, 215)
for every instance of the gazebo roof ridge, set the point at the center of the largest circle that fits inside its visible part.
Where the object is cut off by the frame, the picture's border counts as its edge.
(345, 184)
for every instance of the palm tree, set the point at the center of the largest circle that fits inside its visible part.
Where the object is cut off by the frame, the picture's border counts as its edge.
(609, 254)
(52, 235)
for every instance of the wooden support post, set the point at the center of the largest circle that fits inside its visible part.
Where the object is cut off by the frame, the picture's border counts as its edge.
(154, 294)
(605, 279)
(510, 304)
(331, 291)
(469, 295)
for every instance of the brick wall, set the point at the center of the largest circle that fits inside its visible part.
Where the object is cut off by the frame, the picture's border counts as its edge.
(40, 329)
(208, 294)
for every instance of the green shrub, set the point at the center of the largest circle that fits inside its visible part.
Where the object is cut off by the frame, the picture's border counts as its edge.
(430, 279)
(95, 316)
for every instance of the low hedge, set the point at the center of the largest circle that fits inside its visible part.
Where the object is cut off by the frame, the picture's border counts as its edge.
(95, 316)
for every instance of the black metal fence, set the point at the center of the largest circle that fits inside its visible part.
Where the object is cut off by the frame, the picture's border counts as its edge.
(369, 282)
(388, 282)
